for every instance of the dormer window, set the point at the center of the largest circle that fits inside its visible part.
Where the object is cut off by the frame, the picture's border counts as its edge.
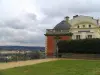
(89, 26)
(78, 26)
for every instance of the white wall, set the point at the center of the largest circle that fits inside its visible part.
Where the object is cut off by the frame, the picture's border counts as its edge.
(84, 20)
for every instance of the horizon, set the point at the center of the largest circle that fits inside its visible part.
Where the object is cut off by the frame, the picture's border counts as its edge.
(20, 46)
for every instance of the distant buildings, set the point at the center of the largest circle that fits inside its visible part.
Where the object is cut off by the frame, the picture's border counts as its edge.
(81, 27)
(14, 52)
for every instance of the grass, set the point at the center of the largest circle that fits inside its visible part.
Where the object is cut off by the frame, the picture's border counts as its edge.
(60, 67)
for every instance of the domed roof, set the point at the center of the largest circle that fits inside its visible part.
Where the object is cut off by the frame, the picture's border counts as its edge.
(63, 25)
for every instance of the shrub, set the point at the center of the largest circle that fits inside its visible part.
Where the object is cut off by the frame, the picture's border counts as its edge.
(87, 46)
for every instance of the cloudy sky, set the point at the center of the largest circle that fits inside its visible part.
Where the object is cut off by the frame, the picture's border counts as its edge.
(24, 22)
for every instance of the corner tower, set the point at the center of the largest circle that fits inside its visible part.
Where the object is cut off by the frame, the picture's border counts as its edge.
(59, 32)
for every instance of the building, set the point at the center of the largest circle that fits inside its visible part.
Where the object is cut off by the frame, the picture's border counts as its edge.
(79, 27)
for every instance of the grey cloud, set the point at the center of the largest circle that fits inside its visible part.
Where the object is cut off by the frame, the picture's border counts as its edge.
(27, 29)
(63, 8)
(31, 16)
(21, 31)
(21, 36)
(16, 24)
(21, 23)
(87, 7)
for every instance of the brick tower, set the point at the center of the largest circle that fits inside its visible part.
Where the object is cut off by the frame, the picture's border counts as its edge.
(59, 32)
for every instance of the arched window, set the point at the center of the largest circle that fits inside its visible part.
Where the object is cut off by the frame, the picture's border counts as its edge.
(89, 26)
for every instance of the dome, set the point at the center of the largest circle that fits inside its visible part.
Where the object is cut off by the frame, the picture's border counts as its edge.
(63, 25)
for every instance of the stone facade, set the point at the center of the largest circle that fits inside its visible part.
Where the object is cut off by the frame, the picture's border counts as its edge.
(82, 27)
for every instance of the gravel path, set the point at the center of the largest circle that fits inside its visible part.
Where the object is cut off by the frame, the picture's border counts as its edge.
(23, 63)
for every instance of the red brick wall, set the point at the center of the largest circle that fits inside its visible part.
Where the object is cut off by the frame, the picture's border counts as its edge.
(51, 44)
(65, 37)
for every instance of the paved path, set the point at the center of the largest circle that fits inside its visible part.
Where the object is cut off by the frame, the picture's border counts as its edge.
(23, 63)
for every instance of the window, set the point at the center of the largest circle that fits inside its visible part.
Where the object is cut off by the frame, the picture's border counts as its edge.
(78, 26)
(89, 26)
(83, 26)
(77, 37)
(89, 36)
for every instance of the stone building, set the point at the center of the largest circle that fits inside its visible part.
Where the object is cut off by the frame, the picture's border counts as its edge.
(79, 27)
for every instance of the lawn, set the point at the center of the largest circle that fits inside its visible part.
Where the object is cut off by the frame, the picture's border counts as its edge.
(59, 67)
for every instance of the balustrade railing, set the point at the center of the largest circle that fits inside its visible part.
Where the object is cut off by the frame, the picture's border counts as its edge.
(52, 31)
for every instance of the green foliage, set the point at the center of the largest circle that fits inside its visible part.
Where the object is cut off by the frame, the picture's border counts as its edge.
(69, 34)
(89, 46)
(23, 56)
(60, 67)
(57, 37)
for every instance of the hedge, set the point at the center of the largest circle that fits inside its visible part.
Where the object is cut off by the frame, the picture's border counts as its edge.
(86, 46)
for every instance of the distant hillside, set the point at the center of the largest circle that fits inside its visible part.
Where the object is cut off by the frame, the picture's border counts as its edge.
(21, 48)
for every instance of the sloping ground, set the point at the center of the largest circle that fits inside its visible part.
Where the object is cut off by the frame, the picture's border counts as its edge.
(23, 63)
(59, 67)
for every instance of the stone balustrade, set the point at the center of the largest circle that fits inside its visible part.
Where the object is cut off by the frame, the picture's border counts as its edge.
(52, 31)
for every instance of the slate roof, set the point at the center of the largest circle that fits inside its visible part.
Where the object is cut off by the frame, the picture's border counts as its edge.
(63, 25)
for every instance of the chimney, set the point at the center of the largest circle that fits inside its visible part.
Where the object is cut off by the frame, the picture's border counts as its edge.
(97, 22)
(75, 16)
(67, 18)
